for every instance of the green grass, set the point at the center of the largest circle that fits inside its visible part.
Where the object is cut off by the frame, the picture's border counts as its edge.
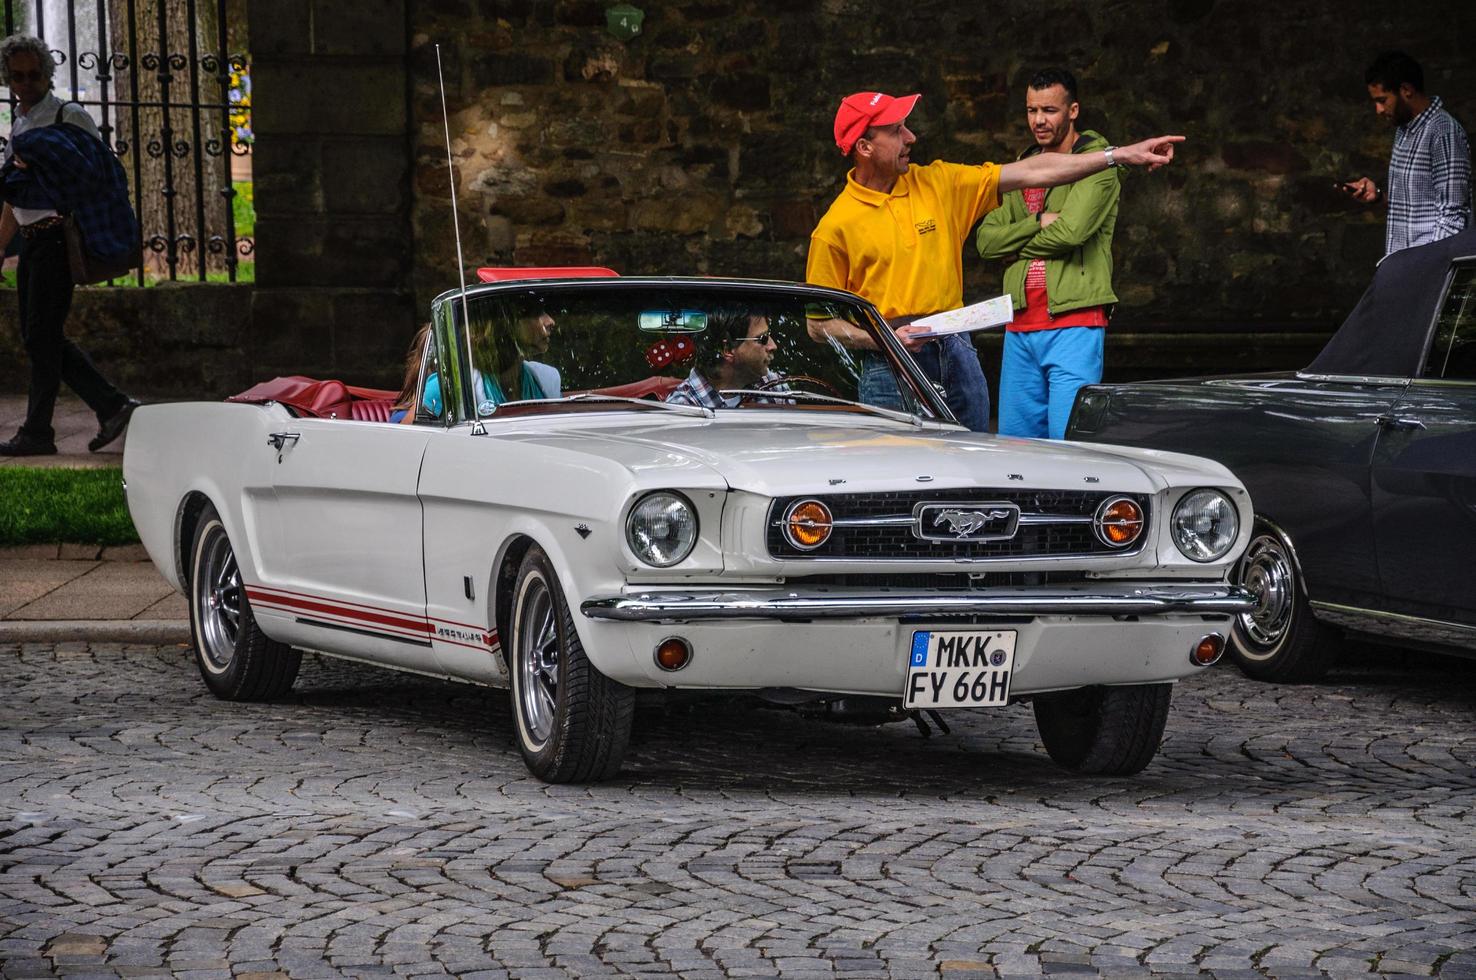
(80, 506)
(243, 207)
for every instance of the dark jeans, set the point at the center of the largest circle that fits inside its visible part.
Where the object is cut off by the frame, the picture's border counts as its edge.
(950, 361)
(44, 281)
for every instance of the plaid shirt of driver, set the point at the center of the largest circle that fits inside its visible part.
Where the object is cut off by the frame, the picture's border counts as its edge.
(697, 391)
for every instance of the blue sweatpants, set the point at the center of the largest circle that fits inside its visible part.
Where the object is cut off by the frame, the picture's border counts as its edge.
(1039, 376)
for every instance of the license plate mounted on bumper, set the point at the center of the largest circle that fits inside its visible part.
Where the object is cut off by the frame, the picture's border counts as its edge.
(959, 669)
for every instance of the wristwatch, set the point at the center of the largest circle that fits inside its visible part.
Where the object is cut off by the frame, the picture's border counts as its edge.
(1110, 162)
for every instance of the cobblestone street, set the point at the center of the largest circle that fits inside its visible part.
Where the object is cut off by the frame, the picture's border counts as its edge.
(377, 824)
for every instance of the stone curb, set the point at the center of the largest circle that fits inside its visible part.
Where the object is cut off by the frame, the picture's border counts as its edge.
(157, 631)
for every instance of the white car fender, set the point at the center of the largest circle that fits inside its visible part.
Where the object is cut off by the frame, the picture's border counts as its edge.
(219, 462)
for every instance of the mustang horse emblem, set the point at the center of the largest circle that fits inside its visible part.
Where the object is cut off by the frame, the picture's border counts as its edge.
(966, 522)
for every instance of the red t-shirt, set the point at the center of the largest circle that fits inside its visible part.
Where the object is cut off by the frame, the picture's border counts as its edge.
(1037, 312)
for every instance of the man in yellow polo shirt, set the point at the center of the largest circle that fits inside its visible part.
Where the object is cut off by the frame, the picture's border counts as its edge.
(895, 237)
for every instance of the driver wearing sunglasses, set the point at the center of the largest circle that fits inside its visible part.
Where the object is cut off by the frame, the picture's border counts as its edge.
(740, 348)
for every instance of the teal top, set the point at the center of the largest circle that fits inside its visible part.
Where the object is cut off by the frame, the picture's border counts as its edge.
(492, 393)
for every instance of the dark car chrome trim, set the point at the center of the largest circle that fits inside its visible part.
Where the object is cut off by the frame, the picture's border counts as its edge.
(1438, 631)
(1093, 600)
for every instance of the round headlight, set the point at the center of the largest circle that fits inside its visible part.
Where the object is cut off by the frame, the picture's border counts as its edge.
(807, 524)
(1205, 525)
(662, 529)
(1118, 522)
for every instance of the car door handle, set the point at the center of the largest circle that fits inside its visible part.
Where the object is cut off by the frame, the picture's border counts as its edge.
(279, 440)
(1398, 423)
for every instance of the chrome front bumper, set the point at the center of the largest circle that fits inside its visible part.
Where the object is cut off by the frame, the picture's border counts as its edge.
(794, 604)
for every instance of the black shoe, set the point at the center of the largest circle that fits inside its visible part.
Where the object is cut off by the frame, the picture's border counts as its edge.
(24, 445)
(112, 426)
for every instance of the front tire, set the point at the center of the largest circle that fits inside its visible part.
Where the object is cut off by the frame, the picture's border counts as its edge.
(573, 723)
(1279, 640)
(236, 659)
(1108, 731)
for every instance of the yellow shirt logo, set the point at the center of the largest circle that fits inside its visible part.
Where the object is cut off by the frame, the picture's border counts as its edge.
(926, 225)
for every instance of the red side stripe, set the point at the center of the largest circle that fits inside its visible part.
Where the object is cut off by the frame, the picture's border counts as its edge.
(264, 590)
(323, 606)
(299, 601)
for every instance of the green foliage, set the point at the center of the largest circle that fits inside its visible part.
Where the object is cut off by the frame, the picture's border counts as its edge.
(243, 206)
(82, 506)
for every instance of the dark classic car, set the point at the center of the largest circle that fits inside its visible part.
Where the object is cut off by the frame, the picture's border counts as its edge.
(1361, 469)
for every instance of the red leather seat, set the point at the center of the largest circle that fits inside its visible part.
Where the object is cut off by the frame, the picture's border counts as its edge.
(372, 410)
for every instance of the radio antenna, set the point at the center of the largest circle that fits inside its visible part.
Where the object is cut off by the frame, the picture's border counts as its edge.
(477, 427)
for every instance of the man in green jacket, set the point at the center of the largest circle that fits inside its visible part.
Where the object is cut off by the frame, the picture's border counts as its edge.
(1058, 242)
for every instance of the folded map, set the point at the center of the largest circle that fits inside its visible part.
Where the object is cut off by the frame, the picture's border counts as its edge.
(994, 312)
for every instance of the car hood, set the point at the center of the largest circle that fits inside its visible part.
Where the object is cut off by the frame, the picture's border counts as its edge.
(779, 458)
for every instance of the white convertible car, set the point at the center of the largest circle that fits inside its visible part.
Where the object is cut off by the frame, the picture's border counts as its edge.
(699, 485)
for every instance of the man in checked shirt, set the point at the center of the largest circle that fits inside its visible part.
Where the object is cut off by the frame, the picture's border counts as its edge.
(1429, 187)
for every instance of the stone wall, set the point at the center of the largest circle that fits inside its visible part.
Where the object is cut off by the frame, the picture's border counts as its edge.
(184, 340)
(332, 172)
(702, 145)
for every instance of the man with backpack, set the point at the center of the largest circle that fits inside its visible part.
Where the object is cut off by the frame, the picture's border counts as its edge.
(43, 275)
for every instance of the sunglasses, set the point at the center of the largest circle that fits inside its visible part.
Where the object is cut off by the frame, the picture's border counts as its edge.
(27, 76)
(762, 338)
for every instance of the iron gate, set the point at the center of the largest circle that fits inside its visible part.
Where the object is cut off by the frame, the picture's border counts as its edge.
(170, 88)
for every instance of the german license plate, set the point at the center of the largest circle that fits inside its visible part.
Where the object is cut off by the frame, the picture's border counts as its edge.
(959, 669)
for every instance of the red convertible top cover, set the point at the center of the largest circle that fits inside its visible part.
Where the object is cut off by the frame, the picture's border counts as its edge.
(321, 399)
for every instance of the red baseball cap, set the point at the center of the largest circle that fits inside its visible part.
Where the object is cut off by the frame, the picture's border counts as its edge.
(859, 112)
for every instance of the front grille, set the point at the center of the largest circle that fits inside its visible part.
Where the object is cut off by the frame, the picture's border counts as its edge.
(899, 543)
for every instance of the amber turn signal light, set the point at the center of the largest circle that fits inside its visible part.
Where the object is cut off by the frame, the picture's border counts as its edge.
(1119, 522)
(1208, 650)
(807, 524)
(673, 653)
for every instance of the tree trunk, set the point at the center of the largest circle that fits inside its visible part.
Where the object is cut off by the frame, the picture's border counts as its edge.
(177, 161)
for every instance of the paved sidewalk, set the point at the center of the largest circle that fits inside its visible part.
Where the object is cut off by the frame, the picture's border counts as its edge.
(75, 425)
(59, 593)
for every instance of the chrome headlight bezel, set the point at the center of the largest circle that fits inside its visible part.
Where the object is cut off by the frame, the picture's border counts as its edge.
(1191, 542)
(641, 544)
(1099, 522)
(790, 520)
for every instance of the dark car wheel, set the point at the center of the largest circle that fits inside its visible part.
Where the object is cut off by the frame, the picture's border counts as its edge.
(1109, 731)
(237, 660)
(573, 722)
(1279, 640)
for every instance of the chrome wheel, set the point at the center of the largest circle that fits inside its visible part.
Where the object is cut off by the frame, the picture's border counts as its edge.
(237, 660)
(1266, 570)
(573, 723)
(218, 599)
(537, 655)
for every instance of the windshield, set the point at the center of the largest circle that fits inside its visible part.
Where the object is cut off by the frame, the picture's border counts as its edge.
(717, 348)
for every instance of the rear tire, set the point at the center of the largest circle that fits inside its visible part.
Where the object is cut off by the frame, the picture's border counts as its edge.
(236, 659)
(1279, 640)
(1109, 731)
(573, 723)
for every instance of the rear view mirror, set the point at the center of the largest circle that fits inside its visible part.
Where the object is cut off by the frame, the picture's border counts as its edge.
(673, 321)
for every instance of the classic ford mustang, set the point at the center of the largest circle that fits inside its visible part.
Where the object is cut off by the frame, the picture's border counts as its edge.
(1362, 466)
(610, 484)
